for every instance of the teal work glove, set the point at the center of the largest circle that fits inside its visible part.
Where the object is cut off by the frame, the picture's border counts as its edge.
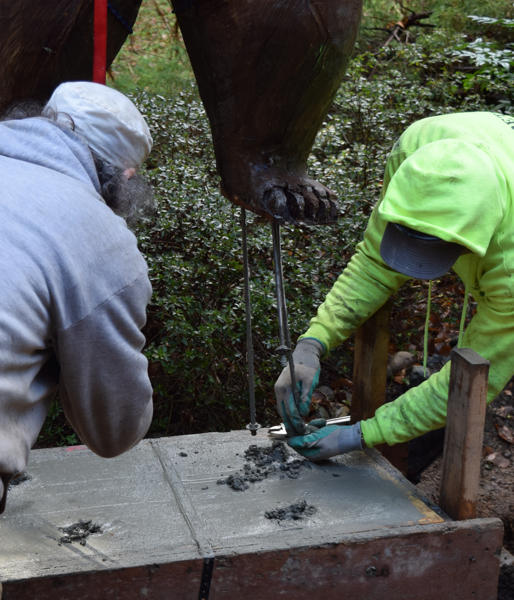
(327, 441)
(306, 370)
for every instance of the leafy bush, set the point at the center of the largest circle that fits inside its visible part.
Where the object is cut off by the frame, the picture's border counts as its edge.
(488, 64)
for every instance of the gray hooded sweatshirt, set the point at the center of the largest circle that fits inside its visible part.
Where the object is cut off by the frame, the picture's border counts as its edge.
(74, 291)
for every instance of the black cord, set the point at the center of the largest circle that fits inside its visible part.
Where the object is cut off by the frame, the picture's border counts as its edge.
(120, 18)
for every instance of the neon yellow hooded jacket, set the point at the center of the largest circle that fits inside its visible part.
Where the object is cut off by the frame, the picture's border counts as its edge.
(451, 176)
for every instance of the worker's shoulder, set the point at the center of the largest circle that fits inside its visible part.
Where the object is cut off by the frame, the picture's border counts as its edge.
(486, 132)
(97, 260)
(57, 209)
(60, 227)
(469, 125)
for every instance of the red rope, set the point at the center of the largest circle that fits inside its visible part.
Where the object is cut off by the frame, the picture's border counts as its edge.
(100, 41)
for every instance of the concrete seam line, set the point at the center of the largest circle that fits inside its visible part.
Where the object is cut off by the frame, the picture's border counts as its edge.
(187, 509)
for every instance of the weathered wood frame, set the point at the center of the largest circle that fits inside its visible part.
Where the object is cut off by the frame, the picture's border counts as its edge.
(465, 413)
(464, 433)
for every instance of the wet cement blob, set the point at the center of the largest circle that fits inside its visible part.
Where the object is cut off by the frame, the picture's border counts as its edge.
(263, 461)
(78, 532)
(293, 512)
(236, 482)
(20, 478)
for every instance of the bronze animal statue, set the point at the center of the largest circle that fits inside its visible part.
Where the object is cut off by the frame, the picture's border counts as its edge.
(267, 71)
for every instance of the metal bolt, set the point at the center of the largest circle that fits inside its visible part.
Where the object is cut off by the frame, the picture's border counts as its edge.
(371, 571)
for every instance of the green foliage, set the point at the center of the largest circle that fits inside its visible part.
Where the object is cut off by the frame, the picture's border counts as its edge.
(153, 57)
(454, 14)
(450, 15)
(487, 65)
(56, 430)
(509, 23)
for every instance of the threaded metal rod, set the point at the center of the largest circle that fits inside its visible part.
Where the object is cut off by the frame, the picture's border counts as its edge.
(285, 351)
(253, 425)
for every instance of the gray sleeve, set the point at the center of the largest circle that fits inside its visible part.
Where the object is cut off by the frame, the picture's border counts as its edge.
(104, 385)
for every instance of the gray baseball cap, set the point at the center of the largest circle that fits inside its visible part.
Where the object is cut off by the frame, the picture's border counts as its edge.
(107, 120)
(417, 254)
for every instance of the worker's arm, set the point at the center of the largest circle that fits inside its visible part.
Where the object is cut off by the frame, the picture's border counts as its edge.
(423, 408)
(104, 386)
(362, 288)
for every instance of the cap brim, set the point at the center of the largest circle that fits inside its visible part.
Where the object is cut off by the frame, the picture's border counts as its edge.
(422, 257)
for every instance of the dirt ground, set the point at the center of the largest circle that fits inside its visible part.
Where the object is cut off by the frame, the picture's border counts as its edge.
(496, 495)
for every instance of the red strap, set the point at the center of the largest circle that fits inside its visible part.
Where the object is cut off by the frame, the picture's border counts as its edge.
(100, 41)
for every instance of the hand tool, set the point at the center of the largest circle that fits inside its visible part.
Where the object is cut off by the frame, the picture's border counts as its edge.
(278, 432)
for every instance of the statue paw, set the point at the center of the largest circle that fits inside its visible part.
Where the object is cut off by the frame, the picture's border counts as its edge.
(304, 201)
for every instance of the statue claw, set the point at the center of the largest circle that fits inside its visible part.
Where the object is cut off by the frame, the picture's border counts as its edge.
(299, 203)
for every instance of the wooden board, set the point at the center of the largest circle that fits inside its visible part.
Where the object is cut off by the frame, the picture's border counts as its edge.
(464, 433)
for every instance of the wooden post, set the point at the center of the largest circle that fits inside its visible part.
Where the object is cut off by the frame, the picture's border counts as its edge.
(370, 364)
(464, 433)
(370, 378)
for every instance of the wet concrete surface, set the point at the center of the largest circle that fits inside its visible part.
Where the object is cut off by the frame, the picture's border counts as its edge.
(263, 461)
(162, 502)
(294, 512)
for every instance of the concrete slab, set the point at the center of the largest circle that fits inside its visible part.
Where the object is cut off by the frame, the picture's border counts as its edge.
(354, 493)
(169, 530)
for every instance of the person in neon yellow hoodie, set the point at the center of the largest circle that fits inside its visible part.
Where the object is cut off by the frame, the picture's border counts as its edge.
(447, 201)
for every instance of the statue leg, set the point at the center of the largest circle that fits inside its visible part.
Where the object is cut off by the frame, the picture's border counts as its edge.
(267, 72)
(47, 42)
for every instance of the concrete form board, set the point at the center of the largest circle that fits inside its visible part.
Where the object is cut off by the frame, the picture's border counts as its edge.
(162, 513)
(431, 562)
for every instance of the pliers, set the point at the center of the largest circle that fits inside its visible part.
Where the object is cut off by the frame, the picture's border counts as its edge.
(278, 432)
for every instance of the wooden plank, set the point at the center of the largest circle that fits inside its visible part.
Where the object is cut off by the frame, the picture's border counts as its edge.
(456, 560)
(464, 433)
(159, 581)
(370, 378)
(370, 364)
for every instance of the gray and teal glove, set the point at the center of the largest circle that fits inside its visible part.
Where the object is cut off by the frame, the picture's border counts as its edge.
(306, 357)
(327, 441)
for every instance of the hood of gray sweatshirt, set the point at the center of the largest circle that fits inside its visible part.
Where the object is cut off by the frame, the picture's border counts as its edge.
(41, 142)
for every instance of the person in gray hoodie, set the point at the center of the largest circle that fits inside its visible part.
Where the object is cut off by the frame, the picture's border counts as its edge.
(74, 285)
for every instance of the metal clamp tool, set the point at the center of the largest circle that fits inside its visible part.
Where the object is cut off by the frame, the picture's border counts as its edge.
(278, 432)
